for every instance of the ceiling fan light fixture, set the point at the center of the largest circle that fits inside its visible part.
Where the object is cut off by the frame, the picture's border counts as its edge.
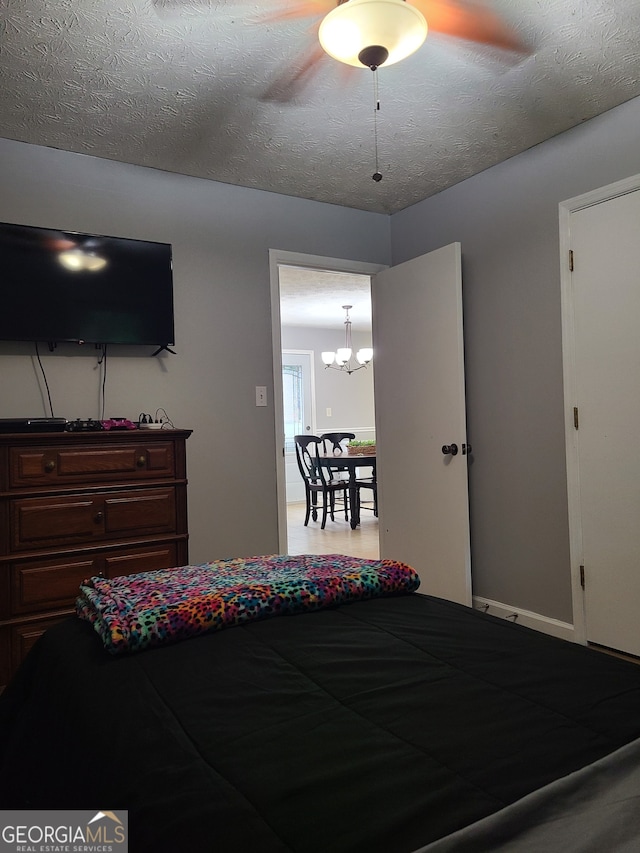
(79, 259)
(356, 27)
(373, 56)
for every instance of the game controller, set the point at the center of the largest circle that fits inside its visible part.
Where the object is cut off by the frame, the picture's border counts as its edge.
(118, 423)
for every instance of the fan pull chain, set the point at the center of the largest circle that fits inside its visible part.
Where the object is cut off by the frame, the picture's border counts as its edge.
(377, 175)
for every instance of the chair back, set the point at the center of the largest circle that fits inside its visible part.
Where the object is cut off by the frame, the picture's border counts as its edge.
(335, 439)
(307, 449)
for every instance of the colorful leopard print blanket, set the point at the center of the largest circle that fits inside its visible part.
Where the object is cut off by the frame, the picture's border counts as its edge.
(140, 611)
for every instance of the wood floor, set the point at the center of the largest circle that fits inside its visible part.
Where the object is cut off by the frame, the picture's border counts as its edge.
(614, 652)
(336, 538)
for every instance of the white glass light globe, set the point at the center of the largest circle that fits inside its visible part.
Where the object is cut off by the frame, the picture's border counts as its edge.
(357, 24)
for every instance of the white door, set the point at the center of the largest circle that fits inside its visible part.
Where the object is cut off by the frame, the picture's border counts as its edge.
(298, 408)
(605, 289)
(420, 407)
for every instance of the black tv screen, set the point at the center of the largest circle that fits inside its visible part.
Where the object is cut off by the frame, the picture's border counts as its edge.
(65, 286)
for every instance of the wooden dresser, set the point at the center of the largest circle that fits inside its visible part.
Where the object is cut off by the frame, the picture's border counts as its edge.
(78, 504)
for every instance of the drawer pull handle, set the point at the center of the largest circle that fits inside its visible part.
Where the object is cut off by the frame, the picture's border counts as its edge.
(141, 461)
(49, 466)
(98, 517)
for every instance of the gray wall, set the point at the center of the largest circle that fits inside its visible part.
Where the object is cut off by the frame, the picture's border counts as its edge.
(350, 398)
(221, 237)
(506, 219)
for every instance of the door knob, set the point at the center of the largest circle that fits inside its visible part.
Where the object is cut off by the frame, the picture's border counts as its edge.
(450, 449)
(466, 448)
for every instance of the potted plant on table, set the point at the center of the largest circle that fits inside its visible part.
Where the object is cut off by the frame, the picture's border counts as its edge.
(361, 448)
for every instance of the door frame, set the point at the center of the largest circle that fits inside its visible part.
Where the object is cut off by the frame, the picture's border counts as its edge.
(277, 258)
(566, 208)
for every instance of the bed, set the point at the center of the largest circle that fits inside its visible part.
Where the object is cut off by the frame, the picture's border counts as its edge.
(374, 719)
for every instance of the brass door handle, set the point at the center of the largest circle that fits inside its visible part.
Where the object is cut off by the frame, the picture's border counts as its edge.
(141, 461)
(49, 466)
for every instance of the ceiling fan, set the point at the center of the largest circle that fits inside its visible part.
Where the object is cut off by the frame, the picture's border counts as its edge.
(374, 33)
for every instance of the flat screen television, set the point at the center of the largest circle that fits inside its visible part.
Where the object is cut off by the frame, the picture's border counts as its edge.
(60, 286)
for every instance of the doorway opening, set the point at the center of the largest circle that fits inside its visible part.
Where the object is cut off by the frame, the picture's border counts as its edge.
(422, 492)
(310, 294)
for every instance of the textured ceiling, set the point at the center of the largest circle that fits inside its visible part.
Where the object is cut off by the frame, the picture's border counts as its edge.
(180, 85)
(315, 298)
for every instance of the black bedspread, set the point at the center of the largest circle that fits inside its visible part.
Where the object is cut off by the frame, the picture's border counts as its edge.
(377, 726)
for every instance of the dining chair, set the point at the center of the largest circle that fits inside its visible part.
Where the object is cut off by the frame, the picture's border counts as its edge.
(335, 439)
(318, 480)
(367, 483)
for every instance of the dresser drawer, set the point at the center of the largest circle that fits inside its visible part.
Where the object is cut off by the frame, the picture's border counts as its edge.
(56, 466)
(141, 560)
(23, 637)
(50, 584)
(53, 583)
(76, 519)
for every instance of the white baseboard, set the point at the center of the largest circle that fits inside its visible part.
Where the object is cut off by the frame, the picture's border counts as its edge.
(555, 627)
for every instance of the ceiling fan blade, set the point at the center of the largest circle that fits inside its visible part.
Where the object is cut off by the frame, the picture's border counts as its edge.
(291, 82)
(285, 11)
(297, 9)
(471, 21)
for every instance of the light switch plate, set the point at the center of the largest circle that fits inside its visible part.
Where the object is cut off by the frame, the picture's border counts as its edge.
(261, 395)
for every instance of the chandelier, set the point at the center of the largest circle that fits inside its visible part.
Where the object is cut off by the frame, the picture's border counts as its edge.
(341, 358)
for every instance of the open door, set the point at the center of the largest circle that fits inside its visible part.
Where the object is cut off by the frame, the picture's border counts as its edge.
(421, 422)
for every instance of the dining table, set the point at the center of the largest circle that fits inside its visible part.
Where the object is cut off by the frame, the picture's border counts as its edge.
(350, 462)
